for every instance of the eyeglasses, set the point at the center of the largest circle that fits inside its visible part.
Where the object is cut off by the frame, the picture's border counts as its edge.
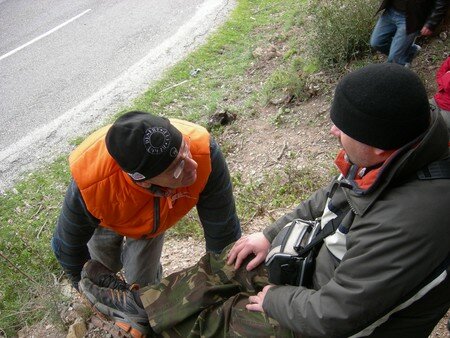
(179, 169)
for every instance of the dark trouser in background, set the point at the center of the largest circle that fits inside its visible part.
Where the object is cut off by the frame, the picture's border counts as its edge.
(208, 300)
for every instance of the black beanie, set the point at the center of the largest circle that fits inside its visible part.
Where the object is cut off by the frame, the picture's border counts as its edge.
(382, 105)
(143, 145)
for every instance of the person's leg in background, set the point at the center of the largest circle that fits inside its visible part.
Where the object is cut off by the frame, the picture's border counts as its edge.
(390, 38)
(403, 49)
(383, 33)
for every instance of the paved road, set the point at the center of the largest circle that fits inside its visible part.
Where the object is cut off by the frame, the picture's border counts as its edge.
(66, 65)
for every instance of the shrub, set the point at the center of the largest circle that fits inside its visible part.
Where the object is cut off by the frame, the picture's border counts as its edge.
(284, 82)
(338, 31)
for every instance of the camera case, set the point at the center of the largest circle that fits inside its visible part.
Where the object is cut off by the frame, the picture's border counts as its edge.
(284, 264)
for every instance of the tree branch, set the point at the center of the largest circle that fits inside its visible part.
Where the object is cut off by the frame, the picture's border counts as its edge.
(16, 268)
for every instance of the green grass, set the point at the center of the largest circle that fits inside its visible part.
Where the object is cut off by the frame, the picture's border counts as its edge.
(28, 215)
(283, 188)
(226, 56)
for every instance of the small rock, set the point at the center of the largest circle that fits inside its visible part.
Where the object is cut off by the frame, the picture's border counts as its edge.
(81, 309)
(267, 53)
(77, 329)
(195, 72)
(221, 119)
(67, 289)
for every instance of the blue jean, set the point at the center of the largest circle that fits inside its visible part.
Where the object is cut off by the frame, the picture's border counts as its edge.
(390, 38)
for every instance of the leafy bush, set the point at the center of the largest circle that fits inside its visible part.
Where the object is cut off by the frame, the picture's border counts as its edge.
(284, 82)
(339, 30)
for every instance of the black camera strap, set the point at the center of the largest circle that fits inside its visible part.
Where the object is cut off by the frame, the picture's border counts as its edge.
(435, 170)
(329, 229)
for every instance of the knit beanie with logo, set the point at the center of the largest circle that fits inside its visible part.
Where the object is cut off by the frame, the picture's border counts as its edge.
(142, 144)
(381, 105)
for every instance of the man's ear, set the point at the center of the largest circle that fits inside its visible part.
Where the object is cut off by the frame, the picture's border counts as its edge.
(378, 151)
(382, 154)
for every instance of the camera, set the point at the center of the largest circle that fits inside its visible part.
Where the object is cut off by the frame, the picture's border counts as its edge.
(284, 264)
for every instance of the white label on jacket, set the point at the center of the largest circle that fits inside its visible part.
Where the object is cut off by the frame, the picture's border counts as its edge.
(336, 243)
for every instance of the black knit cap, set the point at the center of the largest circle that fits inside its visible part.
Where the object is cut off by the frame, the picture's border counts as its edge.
(382, 105)
(144, 145)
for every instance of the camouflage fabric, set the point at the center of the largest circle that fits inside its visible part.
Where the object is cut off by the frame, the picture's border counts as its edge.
(208, 300)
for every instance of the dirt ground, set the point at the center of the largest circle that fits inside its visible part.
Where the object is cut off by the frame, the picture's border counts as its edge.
(267, 141)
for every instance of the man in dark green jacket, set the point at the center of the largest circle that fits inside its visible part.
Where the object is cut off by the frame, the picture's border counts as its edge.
(383, 273)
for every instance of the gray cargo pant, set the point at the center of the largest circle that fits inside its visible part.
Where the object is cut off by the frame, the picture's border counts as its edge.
(140, 258)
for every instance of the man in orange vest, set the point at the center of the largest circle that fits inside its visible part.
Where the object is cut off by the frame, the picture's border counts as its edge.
(131, 182)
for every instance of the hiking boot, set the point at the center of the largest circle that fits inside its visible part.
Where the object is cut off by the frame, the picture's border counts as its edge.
(102, 276)
(124, 307)
(418, 49)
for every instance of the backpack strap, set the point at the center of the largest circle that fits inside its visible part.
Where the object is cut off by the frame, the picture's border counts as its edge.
(329, 229)
(435, 170)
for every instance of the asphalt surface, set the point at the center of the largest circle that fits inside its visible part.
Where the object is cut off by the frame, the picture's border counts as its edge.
(67, 66)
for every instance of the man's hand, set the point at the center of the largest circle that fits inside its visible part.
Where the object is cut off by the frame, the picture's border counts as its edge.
(256, 302)
(425, 31)
(255, 243)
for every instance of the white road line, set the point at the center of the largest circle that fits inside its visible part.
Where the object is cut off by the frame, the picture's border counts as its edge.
(43, 35)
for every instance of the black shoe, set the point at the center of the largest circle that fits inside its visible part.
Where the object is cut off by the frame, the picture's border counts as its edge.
(124, 307)
(102, 276)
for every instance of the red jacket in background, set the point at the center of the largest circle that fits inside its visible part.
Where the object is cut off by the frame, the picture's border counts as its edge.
(442, 97)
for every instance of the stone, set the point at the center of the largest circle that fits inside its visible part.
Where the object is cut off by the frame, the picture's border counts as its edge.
(77, 329)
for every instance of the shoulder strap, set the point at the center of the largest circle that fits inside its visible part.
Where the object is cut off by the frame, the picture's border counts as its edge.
(435, 170)
(329, 229)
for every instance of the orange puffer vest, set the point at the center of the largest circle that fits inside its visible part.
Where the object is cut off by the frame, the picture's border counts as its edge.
(122, 206)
